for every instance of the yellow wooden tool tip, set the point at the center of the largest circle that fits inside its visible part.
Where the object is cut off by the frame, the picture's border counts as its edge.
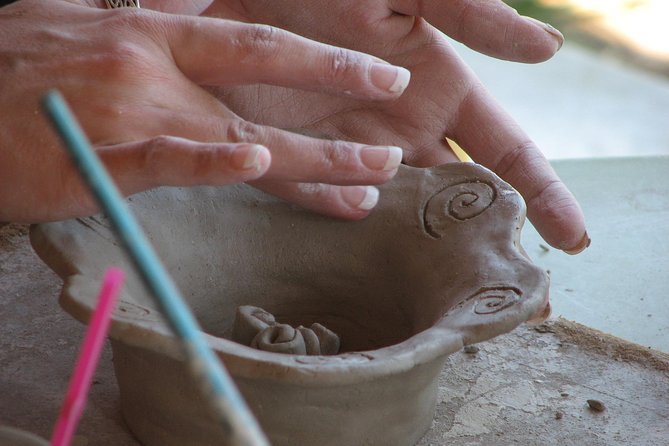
(461, 154)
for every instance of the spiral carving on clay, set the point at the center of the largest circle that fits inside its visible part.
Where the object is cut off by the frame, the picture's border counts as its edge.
(462, 201)
(494, 300)
(130, 310)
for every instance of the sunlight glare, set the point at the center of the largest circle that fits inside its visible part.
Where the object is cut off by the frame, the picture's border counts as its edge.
(643, 23)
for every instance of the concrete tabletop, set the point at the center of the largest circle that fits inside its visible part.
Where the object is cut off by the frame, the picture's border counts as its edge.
(619, 284)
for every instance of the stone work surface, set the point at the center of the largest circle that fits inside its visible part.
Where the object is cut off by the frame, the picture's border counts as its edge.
(532, 387)
(529, 387)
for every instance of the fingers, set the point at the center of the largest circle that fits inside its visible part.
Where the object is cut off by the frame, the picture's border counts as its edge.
(348, 202)
(432, 154)
(296, 157)
(493, 139)
(304, 159)
(170, 161)
(217, 52)
(487, 26)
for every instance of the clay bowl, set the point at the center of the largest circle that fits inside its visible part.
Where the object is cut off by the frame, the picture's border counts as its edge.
(436, 266)
(10, 436)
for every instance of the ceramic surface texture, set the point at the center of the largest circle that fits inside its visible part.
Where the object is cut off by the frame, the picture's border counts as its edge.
(437, 265)
(15, 437)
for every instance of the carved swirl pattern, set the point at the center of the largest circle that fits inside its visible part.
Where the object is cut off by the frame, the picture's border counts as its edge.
(494, 300)
(461, 202)
(130, 310)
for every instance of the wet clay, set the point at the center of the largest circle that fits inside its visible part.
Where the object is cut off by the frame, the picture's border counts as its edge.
(258, 329)
(436, 266)
(14, 437)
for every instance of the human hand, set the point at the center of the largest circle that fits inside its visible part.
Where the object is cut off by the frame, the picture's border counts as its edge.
(132, 78)
(444, 99)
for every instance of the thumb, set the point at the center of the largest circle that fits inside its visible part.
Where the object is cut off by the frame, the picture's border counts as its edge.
(172, 161)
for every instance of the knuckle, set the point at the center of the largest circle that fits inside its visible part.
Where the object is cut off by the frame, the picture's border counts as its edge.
(259, 41)
(519, 162)
(119, 59)
(549, 200)
(338, 155)
(341, 65)
(153, 154)
(241, 131)
(160, 143)
(553, 206)
(164, 158)
(123, 49)
(318, 190)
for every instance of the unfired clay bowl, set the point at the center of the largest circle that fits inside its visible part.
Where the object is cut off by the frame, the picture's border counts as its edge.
(10, 436)
(437, 265)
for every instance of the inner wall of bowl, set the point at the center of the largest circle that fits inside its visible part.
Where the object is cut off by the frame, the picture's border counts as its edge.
(362, 319)
(357, 293)
(367, 306)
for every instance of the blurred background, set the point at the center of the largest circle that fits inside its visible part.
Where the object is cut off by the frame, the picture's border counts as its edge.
(605, 93)
(599, 110)
(633, 30)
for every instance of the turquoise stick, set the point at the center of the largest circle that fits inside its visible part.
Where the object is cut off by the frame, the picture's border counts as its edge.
(217, 386)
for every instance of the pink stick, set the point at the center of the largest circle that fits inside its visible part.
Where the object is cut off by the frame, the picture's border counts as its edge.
(75, 399)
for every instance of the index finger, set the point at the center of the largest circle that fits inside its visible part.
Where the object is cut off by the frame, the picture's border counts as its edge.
(213, 51)
(493, 139)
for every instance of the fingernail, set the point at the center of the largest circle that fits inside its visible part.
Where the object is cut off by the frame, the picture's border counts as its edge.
(361, 197)
(581, 246)
(381, 158)
(557, 35)
(247, 157)
(389, 77)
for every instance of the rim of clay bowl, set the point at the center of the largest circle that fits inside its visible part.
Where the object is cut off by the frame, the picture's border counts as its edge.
(472, 320)
(20, 437)
(481, 314)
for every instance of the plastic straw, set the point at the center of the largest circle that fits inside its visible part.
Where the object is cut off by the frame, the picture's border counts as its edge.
(217, 387)
(80, 383)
